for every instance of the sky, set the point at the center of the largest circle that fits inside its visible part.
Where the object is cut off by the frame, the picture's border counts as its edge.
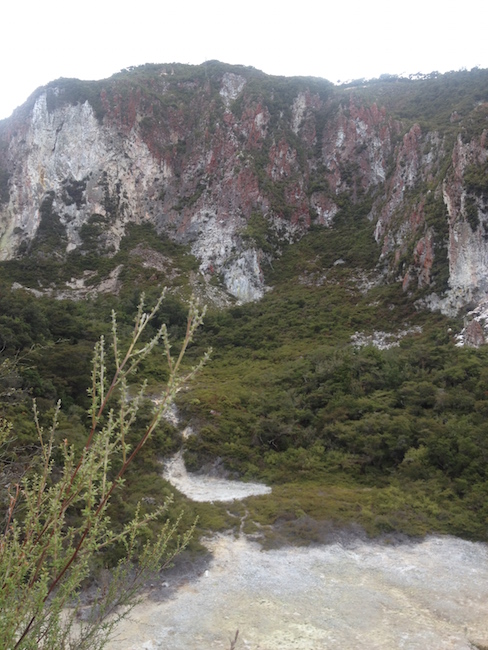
(43, 40)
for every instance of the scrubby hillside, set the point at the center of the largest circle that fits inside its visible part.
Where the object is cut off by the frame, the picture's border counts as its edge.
(338, 235)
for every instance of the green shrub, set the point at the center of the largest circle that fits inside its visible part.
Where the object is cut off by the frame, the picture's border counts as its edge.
(57, 515)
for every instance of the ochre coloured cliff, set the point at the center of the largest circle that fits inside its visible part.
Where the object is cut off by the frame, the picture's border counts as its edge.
(200, 151)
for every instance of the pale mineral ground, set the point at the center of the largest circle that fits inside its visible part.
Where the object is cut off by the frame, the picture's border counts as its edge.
(348, 595)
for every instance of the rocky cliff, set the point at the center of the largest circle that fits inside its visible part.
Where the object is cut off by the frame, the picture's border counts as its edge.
(236, 164)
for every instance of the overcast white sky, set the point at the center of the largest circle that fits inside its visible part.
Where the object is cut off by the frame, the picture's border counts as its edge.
(92, 39)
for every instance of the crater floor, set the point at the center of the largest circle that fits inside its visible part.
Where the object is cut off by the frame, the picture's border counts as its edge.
(432, 594)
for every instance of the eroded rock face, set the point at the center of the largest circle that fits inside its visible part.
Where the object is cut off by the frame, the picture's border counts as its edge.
(197, 151)
(68, 156)
(468, 220)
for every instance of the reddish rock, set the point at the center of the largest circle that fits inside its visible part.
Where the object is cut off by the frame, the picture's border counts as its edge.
(474, 335)
(197, 155)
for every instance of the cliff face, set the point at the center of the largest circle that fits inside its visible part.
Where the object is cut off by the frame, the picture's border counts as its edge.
(202, 152)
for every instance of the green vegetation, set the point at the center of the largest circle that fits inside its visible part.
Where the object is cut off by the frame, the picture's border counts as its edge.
(438, 102)
(258, 233)
(57, 520)
(279, 93)
(75, 91)
(51, 233)
(436, 217)
(393, 439)
(390, 439)
(53, 266)
(476, 179)
(73, 192)
(472, 215)
(4, 188)
(401, 431)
